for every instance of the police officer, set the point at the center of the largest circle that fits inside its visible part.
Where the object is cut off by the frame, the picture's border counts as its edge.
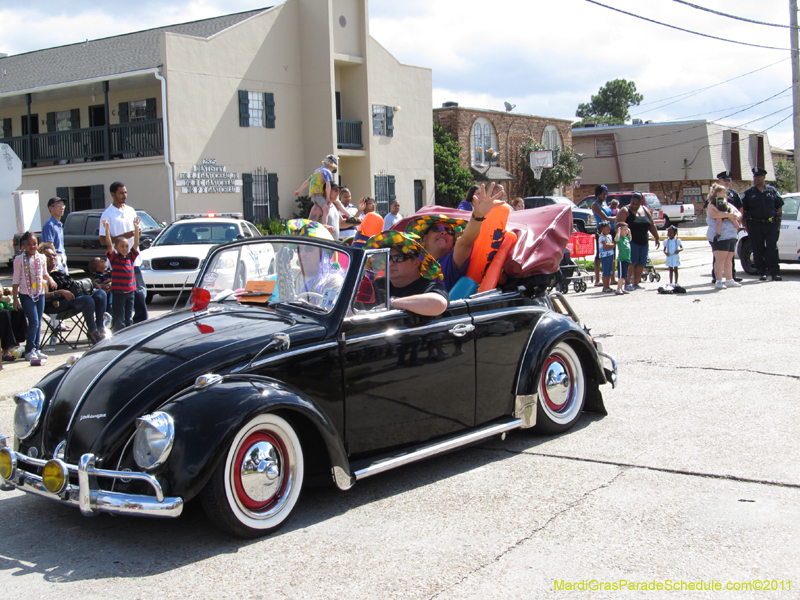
(761, 212)
(724, 179)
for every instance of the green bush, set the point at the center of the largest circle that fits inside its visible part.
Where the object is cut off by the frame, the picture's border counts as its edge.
(303, 206)
(272, 226)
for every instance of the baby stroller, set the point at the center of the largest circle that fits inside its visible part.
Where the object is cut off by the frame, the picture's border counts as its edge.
(650, 272)
(579, 245)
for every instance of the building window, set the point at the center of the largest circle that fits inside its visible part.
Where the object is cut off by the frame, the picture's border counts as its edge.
(484, 139)
(552, 139)
(260, 191)
(6, 128)
(256, 109)
(382, 120)
(63, 120)
(137, 110)
(384, 192)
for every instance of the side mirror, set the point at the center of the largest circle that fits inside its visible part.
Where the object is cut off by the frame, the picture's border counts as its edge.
(163, 224)
(145, 243)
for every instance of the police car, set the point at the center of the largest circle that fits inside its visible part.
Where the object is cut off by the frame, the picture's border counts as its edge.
(788, 242)
(171, 264)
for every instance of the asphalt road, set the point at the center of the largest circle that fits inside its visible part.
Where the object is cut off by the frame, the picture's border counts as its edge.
(692, 477)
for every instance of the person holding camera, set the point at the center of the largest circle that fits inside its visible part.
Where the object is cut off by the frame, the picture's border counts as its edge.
(723, 230)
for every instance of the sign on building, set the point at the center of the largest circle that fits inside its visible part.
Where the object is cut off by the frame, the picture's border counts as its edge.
(209, 178)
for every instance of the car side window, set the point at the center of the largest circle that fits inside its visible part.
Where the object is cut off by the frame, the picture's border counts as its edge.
(372, 293)
(93, 225)
(75, 225)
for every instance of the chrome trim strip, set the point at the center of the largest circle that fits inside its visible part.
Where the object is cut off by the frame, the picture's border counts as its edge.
(270, 359)
(437, 448)
(510, 310)
(466, 319)
(613, 372)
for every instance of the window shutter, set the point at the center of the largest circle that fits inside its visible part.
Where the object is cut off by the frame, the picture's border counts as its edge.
(123, 112)
(392, 195)
(247, 189)
(150, 109)
(97, 197)
(75, 118)
(389, 121)
(272, 195)
(7, 127)
(244, 114)
(51, 122)
(63, 192)
(269, 110)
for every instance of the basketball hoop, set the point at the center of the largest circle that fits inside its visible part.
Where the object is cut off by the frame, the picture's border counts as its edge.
(541, 160)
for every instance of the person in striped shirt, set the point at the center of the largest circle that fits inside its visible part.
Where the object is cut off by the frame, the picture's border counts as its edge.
(123, 280)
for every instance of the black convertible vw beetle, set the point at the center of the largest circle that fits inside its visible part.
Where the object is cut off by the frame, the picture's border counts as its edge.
(257, 389)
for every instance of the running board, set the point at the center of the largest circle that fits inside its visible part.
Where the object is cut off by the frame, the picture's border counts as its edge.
(391, 462)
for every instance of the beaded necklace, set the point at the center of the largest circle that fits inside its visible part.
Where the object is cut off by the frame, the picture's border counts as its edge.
(33, 277)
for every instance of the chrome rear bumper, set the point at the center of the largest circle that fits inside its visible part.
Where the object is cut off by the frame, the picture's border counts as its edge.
(87, 495)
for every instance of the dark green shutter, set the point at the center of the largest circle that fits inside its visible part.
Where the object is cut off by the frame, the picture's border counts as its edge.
(392, 195)
(75, 118)
(97, 197)
(389, 121)
(269, 110)
(7, 127)
(272, 194)
(150, 109)
(247, 195)
(51, 122)
(63, 192)
(244, 112)
(123, 112)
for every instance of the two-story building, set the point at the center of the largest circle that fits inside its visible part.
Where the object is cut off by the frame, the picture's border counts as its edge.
(229, 114)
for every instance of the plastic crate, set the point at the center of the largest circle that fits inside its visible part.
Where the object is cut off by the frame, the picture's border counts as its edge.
(580, 244)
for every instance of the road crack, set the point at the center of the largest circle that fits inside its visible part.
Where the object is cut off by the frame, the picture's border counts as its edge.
(530, 536)
(655, 363)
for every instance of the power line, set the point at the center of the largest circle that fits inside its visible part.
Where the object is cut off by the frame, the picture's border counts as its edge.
(686, 95)
(709, 112)
(713, 37)
(722, 14)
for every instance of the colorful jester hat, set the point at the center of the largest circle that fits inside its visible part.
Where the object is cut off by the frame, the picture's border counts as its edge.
(407, 243)
(308, 228)
(420, 225)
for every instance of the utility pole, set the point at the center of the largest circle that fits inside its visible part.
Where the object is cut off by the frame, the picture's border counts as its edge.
(795, 89)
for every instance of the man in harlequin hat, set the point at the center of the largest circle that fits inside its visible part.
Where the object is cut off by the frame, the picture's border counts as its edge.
(414, 276)
(450, 240)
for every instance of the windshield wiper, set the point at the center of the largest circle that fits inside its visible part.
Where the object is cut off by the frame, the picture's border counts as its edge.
(301, 304)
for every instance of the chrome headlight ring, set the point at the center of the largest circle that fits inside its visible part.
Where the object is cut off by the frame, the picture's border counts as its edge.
(30, 405)
(153, 440)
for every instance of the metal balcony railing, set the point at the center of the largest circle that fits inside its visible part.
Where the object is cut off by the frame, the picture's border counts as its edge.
(348, 134)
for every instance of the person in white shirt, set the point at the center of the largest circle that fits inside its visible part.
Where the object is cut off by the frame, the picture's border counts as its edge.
(393, 217)
(347, 228)
(120, 218)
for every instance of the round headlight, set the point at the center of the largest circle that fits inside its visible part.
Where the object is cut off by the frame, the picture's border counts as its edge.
(55, 476)
(153, 439)
(8, 463)
(28, 412)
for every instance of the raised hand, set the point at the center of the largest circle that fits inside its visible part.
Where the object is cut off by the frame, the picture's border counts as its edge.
(485, 200)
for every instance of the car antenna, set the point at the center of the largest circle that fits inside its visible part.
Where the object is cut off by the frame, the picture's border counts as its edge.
(180, 293)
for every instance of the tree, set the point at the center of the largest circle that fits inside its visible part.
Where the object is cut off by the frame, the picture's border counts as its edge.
(452, 180)
(784, 176)
(566, 168)
(613, 100)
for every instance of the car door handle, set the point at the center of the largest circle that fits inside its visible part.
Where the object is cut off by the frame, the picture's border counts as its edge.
(462, 329)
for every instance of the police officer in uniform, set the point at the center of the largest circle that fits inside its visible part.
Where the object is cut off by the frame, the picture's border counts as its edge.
(761, 212)
(724, 179)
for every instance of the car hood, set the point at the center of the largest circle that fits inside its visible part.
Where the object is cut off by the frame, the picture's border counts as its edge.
(193, 250)
(138, 369)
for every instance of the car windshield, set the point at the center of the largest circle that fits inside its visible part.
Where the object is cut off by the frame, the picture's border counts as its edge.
(587, 202)
(148, 222)
(198, 233)
(271, 272)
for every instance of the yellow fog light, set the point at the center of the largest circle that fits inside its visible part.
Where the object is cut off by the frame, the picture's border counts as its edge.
(55, 476)
(7, 464)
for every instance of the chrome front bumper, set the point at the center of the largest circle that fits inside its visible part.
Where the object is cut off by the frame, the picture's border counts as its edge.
(87, 495)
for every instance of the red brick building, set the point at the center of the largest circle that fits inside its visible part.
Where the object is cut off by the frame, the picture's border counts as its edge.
(477, 130)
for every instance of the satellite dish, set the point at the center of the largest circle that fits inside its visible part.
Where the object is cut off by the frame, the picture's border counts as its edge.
(509, 106)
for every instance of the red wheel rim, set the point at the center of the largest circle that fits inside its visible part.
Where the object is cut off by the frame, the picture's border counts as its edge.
(241, 495)
(556, 358)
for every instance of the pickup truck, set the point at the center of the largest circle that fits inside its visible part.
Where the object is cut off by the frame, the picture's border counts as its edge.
(677, 213)
(82, 238)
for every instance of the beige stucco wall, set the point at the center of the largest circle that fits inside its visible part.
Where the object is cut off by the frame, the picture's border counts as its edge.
(408, 155)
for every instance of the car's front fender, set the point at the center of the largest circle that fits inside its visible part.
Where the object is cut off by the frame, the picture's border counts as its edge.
(207, 418)
(552, 329)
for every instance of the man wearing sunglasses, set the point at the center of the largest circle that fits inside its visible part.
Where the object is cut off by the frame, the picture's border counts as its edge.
(449, 240)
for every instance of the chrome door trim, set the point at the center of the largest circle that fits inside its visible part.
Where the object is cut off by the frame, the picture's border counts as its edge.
(466, 319)
(323, 346)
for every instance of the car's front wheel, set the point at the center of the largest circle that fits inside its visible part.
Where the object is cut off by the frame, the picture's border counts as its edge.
(579, 226)
(746, 257)
(561, 390)
(254, 490)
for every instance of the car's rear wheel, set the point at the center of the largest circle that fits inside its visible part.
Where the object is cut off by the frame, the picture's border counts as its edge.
(746, 257)
(254, 490)
(561, 390)
(667, 222)
(579, 226)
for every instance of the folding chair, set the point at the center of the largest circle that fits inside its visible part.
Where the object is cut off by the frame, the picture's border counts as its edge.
(63, 325)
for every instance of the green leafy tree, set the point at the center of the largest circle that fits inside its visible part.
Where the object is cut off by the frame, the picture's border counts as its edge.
(784, 176)
(613, 100)
(598, 121)
(452, 180)
(566, 167)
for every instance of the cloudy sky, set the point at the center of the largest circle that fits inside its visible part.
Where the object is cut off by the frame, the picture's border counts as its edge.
(544, 56)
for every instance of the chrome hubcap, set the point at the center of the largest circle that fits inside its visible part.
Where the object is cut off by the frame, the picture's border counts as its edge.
(557, 384)
(261, 472)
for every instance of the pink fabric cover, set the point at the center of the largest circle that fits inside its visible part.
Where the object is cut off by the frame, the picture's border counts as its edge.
(542, 236)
